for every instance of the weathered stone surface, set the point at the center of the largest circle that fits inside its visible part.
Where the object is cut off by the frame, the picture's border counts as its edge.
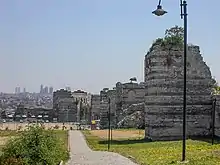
(135, 120)
(164, 93)
(95, 107)
(134, 117)
(217, 115)
(126, 95)
(108, 98)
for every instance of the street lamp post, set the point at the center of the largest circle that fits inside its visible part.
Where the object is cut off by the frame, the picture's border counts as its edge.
(159, 12)
(109, 123)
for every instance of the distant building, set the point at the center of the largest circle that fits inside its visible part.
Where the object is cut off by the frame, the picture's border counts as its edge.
(51, 90)
(83, 100)
(64, 106)
(95, 107)
(46, 90)
(17, 90)
(24, 90)
(41, 88)
(68, 88)
(33, 114)
(107, 95)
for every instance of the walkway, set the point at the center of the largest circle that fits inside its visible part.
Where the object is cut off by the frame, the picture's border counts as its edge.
(81, 154)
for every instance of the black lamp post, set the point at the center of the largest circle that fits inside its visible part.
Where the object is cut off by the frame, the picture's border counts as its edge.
(109, 123)
(159, 12)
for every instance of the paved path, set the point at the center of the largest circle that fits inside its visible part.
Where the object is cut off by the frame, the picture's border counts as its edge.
(81, 154)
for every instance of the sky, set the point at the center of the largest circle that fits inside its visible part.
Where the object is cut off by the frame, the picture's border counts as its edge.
(92, 44)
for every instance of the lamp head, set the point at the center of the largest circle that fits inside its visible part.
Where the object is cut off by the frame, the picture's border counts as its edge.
(159, 11)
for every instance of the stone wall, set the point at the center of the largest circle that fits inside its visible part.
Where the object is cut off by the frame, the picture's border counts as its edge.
(107, 95)
(134, 117)
(164, 93)
(126, 95)
(95, 107)
(217, 115)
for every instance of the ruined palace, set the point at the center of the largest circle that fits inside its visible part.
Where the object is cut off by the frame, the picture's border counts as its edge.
(129, 103)
(164, 93)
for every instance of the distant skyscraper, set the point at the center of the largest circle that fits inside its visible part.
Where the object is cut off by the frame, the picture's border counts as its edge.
(24, 90)
(68, 88)
(51, 90)
(46, 90)
(41, 88)
(18, 90)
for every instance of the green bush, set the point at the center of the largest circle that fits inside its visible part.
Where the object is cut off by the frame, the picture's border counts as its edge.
(35, 146)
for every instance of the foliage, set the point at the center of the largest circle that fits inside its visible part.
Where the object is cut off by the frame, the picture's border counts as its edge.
(173, 38)
(175, 31)
(216, 88)
(155, 153)
(12, 161)
(34, 146)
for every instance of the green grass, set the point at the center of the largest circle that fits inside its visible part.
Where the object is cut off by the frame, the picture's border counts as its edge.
(63, 135)
(4, 133)
(159, 153)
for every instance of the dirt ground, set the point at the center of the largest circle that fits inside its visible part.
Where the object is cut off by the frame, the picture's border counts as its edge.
(119, 134)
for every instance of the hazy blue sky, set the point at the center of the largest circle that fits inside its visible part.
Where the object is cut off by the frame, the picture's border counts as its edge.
(91, 44)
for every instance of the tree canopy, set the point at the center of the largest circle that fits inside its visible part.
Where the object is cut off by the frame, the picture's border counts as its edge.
(172, 37)
(216, 88)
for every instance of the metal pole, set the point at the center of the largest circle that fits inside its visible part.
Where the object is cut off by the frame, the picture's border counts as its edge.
(213, 121)
(109, 124)
(184, 89)
(111, 133)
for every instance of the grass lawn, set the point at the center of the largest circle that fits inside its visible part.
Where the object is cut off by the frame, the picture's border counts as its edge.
(158, 153)
(63, 135)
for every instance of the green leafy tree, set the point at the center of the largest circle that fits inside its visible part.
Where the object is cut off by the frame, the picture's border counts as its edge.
(216, 88)
(173, 38)
(35, 146)
(175, 31)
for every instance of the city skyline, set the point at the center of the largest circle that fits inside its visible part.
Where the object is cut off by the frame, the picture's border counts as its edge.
(85, 45)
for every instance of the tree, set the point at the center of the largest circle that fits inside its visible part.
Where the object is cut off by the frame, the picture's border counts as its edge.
(173, 38)
(216, 88)
(175, 31)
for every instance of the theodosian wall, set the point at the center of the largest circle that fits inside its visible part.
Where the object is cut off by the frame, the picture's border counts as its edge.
(217, 115)
(164, 93)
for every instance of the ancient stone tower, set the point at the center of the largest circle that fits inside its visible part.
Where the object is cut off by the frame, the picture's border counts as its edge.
(164, 93)
(126, 95)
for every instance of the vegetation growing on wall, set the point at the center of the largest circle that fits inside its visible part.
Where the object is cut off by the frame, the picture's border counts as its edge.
(173, 38)
(216, 89)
